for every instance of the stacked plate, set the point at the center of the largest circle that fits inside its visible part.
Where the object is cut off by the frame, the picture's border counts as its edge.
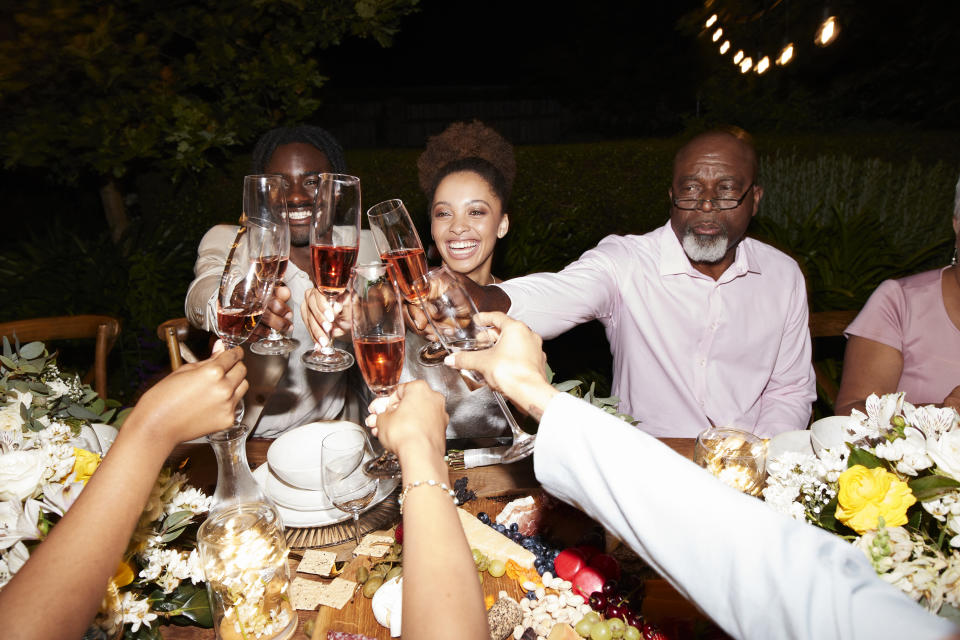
(291, 476)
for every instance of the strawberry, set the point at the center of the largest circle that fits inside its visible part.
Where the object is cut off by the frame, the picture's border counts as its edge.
(398, 534)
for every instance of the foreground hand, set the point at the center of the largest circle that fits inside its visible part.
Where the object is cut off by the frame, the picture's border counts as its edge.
(196, 399)
(277, 315)
(953, 399)
(515, 366)
(411, 419)
(325, 319)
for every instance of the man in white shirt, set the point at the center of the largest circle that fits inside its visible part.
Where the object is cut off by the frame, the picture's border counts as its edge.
(706, 327)
(302, 395)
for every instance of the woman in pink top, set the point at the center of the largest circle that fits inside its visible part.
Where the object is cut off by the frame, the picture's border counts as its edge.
(907, 338)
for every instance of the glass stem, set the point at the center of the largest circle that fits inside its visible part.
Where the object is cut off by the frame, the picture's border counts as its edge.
(356, 526)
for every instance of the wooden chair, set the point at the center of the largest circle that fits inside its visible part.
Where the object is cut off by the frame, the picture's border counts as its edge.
(104, 329)
(828, 324)
(179, 334)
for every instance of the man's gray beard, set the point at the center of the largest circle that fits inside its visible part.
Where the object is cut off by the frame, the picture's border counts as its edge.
(707, 249)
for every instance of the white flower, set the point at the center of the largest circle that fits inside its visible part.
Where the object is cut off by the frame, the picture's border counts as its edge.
(18, 522)
(945, 451)
(11, 422)
(933, 421)
(909, 452)
(60, 497)
(57, 388)
(190, 499)
(20, 474)
(136, 612)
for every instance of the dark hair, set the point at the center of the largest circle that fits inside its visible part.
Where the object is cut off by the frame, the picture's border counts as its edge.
(479, 166)
(468, 147)
(307, 134)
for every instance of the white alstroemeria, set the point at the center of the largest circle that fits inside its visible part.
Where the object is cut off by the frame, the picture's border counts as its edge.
(19, 522)
(950, 580)
(20, 474)
(876, 422)
(57, 388)
(17, 556)
(945, 452)
(933, 421)
(834, 462)
(909, 453)
(59, 497)
(23, 397)
(136, 612)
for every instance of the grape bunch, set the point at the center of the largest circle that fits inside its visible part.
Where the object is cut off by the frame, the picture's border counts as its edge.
(544, 553)
(463, 494)
(612, 608)
(495, 567)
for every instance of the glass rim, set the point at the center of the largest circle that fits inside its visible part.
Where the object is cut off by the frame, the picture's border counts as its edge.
(340, 177)
(388, 206)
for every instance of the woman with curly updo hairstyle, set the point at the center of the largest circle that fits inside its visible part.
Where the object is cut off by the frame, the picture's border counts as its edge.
(467, 174)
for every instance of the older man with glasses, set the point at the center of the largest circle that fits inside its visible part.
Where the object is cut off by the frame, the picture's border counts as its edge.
(706, 327)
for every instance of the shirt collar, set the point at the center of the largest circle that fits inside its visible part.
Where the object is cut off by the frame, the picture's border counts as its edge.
(674, 260)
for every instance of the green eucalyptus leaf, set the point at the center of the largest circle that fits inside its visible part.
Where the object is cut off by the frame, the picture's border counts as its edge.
(34, 425)
(105, 417)
(26, 367)
(32, 350)
(567, 385)
(177, 518)
(97, 406)
(7, 351)
(121, 417)
(7, 361)
(38, 388)
(930, 487)
(88, 396)
(862, 457)
(83, 413)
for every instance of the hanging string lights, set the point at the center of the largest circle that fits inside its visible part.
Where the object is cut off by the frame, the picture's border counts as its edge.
(826, 34)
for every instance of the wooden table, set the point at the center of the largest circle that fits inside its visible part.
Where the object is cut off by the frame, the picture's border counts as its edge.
(662, 605)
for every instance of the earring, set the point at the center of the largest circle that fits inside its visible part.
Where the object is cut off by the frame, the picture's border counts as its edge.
(953, 261)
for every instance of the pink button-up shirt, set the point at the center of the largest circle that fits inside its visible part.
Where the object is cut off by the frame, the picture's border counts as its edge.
(687, 350)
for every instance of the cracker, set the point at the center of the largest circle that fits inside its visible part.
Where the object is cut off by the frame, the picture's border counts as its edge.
(317, 562)
(306, 594)
(337, 593)
(375, 545)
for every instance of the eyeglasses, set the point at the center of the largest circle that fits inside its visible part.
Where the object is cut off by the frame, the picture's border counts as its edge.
(720, 204)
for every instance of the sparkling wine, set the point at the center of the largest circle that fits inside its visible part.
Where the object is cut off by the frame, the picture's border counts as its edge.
(331, 267)
(267, 264)
(236, 324)
(407, 266)
(381, 361)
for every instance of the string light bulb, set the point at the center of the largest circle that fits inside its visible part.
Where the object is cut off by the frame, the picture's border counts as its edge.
(710, 21)
(786, 55)
(763, 65)
(746, 64)
(717, 34)
(828, 31)
(725, 47)
(738, 57)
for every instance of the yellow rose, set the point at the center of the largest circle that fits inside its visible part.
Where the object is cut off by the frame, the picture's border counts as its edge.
(124, 575)
(867, 494)
(84, 464)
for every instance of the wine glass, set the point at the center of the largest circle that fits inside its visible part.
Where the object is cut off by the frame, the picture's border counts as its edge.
(736, 457)
(264, 198)
(399, 246)
(342, 454)
(452, 313)
(246, 283)
(378, 341)
(334, 242)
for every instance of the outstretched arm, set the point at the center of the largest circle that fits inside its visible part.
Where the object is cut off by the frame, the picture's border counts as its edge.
(440, 588)
(57, 592)
(711, 542)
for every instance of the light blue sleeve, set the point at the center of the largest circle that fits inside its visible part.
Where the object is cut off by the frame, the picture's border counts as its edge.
(756, 573)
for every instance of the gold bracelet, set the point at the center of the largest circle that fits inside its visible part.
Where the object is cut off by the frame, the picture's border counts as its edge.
(426, 483)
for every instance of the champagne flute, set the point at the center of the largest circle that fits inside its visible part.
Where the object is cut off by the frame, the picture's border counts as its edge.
(342, 454)
(246, 284)
(264, 199)
(378, 341)
(452, 312)
(399, 246)
(334, 242)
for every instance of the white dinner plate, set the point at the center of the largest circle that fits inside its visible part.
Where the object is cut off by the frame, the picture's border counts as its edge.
(321, 517)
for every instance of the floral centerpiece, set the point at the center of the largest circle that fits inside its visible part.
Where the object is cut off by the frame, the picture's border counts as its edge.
(53, 432)
(892, 488)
